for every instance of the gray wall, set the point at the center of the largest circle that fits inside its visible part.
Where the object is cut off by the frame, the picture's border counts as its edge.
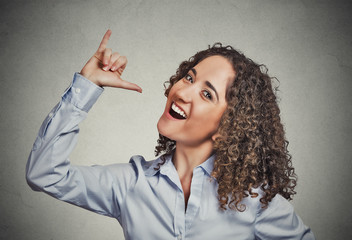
(305, 44)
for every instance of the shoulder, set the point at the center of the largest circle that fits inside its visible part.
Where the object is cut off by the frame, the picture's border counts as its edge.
(136, 167)
(144, 167)
(277, 204)
(279, 221)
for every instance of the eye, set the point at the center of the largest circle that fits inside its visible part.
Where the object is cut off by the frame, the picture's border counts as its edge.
(207, 94)
(189, 78)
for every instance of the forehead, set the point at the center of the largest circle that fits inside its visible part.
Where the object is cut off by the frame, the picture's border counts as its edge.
(217, 70)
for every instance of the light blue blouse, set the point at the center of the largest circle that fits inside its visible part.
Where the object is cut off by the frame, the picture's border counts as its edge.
(147, 201)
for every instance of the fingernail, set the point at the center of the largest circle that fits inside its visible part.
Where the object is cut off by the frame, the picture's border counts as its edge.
(105, 68)
(113, 68)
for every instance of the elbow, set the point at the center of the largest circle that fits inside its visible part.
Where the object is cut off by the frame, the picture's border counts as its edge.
(34, 174)
(33, 181)
(41, 177)
(43, 172)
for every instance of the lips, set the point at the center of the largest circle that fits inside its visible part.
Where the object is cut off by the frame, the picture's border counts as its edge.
(176, 112)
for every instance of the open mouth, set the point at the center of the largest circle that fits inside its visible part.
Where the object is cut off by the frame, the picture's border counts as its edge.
(176, 112)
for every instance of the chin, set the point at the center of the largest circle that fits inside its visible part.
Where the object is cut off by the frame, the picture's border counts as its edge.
(162, 128)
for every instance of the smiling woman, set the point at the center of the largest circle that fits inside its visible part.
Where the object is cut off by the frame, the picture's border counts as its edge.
(224, 170)
(250, 146)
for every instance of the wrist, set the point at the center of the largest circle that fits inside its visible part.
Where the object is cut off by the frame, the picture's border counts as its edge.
(90, 78)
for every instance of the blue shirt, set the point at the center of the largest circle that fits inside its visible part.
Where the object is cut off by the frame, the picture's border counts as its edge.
(147, 201)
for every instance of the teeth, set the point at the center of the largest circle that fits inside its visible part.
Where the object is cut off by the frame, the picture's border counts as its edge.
(178, 110)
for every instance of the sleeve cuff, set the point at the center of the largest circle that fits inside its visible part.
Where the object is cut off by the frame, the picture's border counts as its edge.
(82, 93)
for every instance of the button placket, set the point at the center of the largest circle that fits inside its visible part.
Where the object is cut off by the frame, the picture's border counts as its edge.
(179, 214)
(195, 197)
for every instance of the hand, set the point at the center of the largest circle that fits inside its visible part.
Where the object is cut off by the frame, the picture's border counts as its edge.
(105, 68)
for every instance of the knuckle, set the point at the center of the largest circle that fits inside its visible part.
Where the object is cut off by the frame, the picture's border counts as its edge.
(107, 51)
(119, 61)
(123, 60)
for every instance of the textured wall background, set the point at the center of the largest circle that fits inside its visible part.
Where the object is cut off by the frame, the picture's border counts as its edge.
(305, 44)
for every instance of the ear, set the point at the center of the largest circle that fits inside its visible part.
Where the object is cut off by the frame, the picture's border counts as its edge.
(215, 136)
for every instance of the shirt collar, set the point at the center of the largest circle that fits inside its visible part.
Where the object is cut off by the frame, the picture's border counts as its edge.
(161, 164)
(208, 165)
(157, 165)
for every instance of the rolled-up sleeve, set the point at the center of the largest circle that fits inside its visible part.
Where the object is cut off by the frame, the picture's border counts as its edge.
(96, 188)
(279, 221)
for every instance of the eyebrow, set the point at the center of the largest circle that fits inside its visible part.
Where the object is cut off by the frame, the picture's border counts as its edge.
(208, 84)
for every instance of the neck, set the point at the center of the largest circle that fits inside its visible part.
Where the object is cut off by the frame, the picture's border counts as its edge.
(186, 158)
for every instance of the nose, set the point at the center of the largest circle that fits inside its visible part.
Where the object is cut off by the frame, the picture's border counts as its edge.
(184, 94)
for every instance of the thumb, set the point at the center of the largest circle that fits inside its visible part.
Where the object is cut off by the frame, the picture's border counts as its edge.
(120, 83)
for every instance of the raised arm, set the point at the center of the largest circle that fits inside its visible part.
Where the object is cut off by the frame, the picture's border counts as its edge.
(99, 188)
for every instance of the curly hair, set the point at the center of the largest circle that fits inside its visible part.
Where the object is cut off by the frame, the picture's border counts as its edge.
(251, 151)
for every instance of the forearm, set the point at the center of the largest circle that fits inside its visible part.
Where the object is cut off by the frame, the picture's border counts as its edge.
(48, 162)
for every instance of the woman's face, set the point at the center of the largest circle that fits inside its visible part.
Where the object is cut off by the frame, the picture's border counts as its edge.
(196, 103)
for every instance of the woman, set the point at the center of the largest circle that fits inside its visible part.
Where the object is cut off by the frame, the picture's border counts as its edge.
(225, 173)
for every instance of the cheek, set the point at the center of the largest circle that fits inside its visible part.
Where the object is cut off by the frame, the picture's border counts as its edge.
(216, 116)
(209, 119)
(173, 89)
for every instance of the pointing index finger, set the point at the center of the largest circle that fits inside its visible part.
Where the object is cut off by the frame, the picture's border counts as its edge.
(104, 41)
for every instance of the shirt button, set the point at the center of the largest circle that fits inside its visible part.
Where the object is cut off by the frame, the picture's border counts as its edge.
(179, 237)
(77, 90)
(51, 114)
